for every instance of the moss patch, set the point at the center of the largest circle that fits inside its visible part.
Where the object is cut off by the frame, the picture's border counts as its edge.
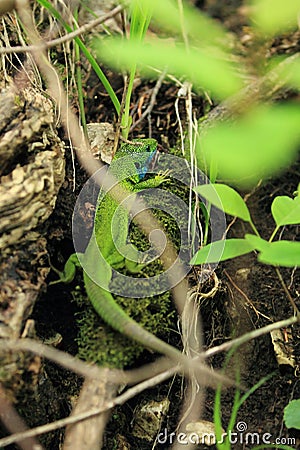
(99, 343)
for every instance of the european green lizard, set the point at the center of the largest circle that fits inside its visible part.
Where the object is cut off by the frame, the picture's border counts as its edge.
(100, 296)
(102, 239)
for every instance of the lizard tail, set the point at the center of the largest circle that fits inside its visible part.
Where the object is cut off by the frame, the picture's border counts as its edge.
(105, 305)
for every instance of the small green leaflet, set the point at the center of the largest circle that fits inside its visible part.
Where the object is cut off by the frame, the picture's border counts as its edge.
(286, 211)
(292, 414)
(257, 242)
(225, 198)
(281, 253)
(221, 251)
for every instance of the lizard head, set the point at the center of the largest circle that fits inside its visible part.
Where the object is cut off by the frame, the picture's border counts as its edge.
(143, 152)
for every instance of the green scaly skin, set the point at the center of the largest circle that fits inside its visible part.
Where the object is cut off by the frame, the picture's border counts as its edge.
(100, 297)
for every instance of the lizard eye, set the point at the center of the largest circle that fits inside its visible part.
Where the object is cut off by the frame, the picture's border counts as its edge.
(137, 165)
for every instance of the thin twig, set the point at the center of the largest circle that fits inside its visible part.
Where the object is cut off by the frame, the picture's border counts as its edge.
(59, 357)
(249, 336)
(67, 37)
(152, 99)
(130, 393)
(118, 134)
(243, 294)
(81, 368)
(287, 292)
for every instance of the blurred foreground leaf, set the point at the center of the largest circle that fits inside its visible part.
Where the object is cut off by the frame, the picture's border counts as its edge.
(273, 16)
(206, 68)
(260, 143)
(197, 26)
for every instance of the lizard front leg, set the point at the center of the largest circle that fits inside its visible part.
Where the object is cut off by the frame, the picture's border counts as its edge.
(68, 273)
(160, 178)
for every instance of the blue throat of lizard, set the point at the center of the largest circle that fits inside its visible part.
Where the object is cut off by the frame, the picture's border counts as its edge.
(142, 170)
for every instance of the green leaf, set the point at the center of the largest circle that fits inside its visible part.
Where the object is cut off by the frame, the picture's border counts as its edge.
(257, 242)
(221, 251)
(286, 211)
(140, 16)
(256, 145)
(205, 67)
(197, 25)
(273, 16)
(225, 198)
(292, 414)
(281, 253)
